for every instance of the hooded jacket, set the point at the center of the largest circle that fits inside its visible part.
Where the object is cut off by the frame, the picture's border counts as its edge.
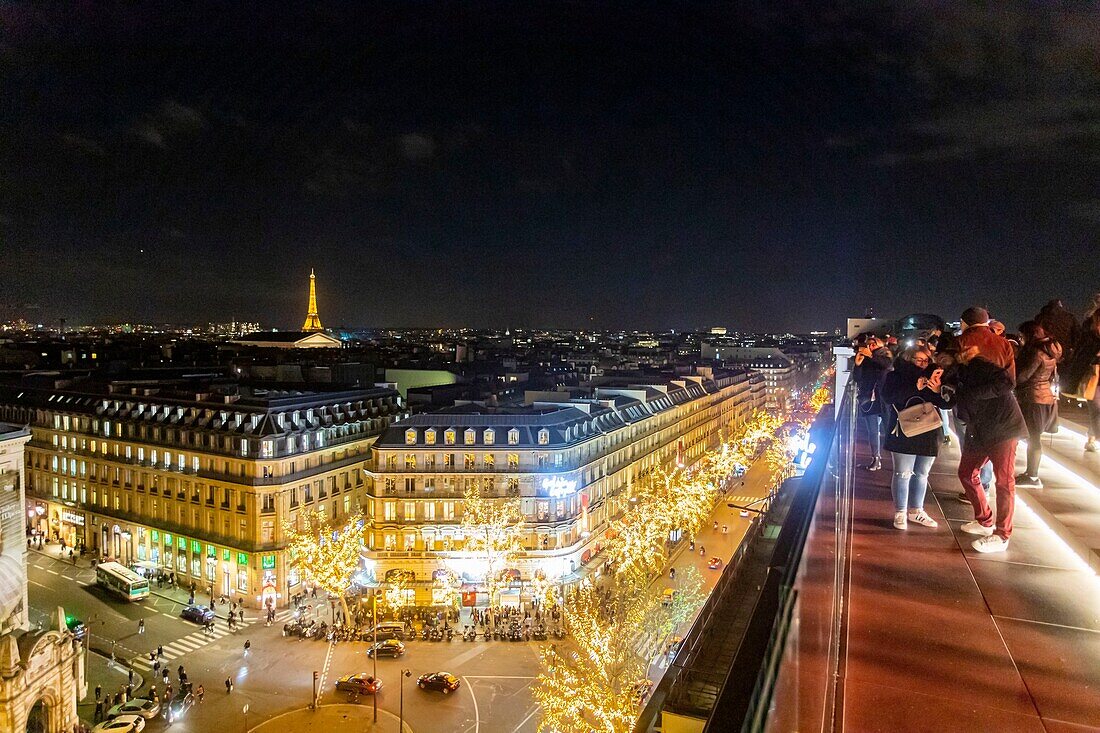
(991, 347)
(983, 395)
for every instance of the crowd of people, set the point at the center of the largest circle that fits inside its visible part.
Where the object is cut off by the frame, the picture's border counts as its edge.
(994, 389)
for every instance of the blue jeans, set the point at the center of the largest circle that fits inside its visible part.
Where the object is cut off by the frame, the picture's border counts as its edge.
(874, 434)
(910, 481)
(945, 417)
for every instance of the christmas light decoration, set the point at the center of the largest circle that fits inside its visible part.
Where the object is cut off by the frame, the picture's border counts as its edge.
(493, 527)
(325, 555)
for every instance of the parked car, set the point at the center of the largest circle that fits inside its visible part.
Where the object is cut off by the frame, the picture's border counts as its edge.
(359, 684)
(387, 648)
(744, 512)
(198, 614)
(386, 630)
(138, 706)
(183, 700)
(121, 724)
(714, 563)
(443, 681)
(668, 596)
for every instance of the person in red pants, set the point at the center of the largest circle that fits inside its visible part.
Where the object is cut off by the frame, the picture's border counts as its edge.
(982, 394)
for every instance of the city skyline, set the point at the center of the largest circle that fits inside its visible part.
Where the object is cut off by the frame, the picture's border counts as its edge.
(565, 165)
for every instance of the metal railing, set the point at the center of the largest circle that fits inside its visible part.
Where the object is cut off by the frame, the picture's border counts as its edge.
(747, 702)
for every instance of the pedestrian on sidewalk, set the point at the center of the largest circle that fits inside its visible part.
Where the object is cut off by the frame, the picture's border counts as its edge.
(141, 626)
(130, 676)
(199, 692)
(247, 646)
(98, 693)
(228, 685)
(156, 666)
(160, 652)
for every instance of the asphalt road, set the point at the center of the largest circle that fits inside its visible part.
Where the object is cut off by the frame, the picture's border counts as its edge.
(276, 675)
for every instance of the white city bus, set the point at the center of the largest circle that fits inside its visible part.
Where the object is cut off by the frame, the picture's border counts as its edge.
(122, 581)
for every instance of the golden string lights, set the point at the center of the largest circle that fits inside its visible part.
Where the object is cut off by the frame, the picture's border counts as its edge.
(493, 528)
(617, 628)
(326, 555)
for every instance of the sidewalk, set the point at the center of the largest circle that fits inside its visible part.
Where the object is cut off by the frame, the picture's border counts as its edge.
(111, 676)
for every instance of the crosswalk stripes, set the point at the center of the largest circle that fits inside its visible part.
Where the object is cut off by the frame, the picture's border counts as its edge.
(744, 500)
(185, 645)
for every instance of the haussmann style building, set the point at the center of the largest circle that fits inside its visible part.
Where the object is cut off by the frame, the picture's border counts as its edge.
(571, 462)
(192, 479)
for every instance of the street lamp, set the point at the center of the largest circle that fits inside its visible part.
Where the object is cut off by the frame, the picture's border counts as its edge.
(401, 707)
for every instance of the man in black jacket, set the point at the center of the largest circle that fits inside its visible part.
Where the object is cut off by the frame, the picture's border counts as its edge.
(983, 395)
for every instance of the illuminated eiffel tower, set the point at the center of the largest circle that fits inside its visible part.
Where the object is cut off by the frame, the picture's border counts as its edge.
(313, 321)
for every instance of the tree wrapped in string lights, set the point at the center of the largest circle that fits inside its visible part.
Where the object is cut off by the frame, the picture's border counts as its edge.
(493, 528)
(617, 630)
(590, 685)
(327, 555)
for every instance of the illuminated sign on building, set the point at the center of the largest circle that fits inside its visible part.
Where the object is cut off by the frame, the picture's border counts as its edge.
(557, 486)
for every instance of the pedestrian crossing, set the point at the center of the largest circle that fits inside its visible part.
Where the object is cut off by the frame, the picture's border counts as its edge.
(743, 500)
(178, 648)
(198, 639)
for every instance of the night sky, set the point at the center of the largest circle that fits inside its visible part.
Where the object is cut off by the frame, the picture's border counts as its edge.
(756, 165)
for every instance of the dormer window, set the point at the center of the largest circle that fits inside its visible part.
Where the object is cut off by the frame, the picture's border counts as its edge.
(544, 437)
(449, 436)
(513, 437)
(410, 437)
(469, 436)
(429, 436)
(489, 436)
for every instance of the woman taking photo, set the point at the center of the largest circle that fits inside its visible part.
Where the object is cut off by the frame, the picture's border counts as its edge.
(913, 380)
(1036, 367)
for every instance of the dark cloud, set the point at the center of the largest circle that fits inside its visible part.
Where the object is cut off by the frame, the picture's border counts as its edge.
(416, 146)
(169, 120)
(778, 164)
(83, 144)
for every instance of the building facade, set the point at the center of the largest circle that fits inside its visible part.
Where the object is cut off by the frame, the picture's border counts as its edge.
(778, 369)
(572, 464)
(42, 671)
(195, 484)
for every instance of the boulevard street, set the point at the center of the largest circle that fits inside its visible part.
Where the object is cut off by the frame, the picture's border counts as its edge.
(276, 675)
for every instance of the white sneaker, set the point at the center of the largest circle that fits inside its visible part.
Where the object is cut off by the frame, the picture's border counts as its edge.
(899, 520)
(1090, 447)
(920, 517)
(992, 543)
(977, 528)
